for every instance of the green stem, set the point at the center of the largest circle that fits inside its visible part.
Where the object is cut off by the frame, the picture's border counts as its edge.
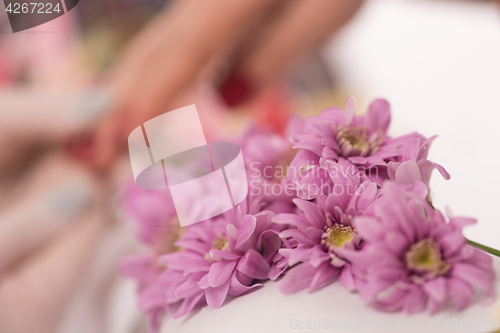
(484, 248)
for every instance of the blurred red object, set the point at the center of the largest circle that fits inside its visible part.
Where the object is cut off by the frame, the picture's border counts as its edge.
(272, 108)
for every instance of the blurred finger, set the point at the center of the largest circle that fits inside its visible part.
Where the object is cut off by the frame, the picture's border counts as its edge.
(29, 114)
(35, 119)
(56, 193)
(33, 297)
(193, 31)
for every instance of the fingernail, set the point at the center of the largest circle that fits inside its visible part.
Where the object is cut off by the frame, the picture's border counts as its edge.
(236, 89)
(92, 104)
(69, 200)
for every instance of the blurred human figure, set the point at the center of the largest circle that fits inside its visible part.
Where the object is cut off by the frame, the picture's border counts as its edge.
(242, 45)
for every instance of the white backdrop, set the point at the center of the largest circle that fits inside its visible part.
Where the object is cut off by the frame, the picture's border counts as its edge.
(438, 63)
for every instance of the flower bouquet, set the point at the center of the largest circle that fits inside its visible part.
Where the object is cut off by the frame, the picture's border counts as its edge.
(333, 200)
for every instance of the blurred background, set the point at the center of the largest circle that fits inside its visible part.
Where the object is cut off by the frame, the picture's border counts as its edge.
(64, 82)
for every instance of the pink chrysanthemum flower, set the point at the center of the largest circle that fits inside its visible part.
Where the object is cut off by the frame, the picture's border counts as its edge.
(361, 139)
(324, 227)
(414, 258)
(225, 256)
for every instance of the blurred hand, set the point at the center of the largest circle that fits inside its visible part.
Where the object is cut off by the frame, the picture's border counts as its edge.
(248, 42)
(49, 225)
(33, 119)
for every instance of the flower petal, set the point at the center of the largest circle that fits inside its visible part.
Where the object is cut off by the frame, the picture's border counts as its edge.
(313, 145)
(379, 115)
(189, 288)
(297, 279)
(292, 219)
(220, 271)
(203, 284)
(324, 274)
(219, 254)
(236, 288)
(473, 275)
(436, 289)
(254, 265)
(187, 305)
(461, 292)
(248, 224)
(346, 278)
(216, 296)
(312, 212)
(408, 173)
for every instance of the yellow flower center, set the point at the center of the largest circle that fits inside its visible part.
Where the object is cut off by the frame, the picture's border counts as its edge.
(354, 141)
(425, 257)
(337, 235)
(164, 239)
(220, 243)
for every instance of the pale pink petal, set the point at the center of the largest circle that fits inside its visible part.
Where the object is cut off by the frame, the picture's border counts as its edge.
(236, 288)
(187, 305)
(189, 288)
(219, 254)
(346, 278)
(248, 224)
(420, 189)
(396, 242)
(415, 300)
(299, 254)
(297, 235)
(253, 265)
(297, 279)
(293, 219)
(391, 170)
(204, 284)
(311, 211)
(408, 173)
(313, 145)
(379, 115)
(473, 275)
(324, 275)
(216, 296)
(410, 150)
(436, 289)
(350, 109)
(220, 272)
(461, 292)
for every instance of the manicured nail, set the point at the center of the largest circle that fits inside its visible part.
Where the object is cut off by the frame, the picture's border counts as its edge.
(236, 89)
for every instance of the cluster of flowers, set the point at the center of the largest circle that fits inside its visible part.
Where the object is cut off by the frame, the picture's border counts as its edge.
(359, 214)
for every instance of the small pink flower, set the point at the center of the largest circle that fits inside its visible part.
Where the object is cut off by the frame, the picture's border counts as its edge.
(323, 228)
(224, 256)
